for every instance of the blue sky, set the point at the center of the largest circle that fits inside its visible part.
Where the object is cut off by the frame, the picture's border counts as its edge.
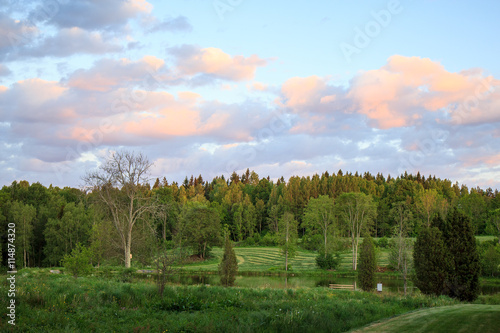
(284, 88)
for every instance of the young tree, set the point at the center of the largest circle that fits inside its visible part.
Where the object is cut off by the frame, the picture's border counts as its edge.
(400, 255)
(357, 211)
(288, 236)
(119, 183)
(228, 267)
(23, 216)
(367, 265)
(431, 261)
(427, 204)
(319, 215)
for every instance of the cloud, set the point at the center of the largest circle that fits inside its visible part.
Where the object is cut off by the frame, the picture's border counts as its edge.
(14, 33)
(70, 41)
(193, 60)
(177, 24)
(92, 15)
(4, 70)
(108, 74)
(405, 89)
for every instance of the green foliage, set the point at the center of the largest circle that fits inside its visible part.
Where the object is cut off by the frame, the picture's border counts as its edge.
(367, 265)
(200, 228)
(328, 262)
(463, 278)
(79, 263)
(383, 242)
(319, 217)
(490, 261)
(229, 265)
(431, 261)
(287, 236)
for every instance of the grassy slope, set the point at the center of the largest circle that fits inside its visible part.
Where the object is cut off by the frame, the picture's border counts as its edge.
(455, 318)
(260, 259)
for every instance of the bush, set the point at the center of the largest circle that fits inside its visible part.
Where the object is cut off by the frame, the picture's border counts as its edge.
(269, 239)
(328, 262)
(79, 263)
(312, 242)
(383, 242)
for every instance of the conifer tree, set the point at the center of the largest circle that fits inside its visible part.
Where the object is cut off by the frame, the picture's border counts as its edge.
(367, 265)
(463, 279)
(431, 261)
(229, 264)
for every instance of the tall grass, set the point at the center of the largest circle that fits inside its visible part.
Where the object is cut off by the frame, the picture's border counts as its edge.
(47, 303)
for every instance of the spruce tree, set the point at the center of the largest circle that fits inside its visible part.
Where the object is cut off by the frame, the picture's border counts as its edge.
(367, 265)
(463, 279)
(431, 261)
(229, 264)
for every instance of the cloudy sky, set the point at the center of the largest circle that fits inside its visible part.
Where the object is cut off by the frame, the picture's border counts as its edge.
(282, 87)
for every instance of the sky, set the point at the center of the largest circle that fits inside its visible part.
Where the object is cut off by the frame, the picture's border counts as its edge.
(283, 88)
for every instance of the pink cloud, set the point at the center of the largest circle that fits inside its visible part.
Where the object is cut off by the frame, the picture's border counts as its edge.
(397, 94)
(214, 61)
(301, 91)
(108, 73)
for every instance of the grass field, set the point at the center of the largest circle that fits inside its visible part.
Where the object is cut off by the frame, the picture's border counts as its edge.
(60, 303)
(265, 259)
(455, 318)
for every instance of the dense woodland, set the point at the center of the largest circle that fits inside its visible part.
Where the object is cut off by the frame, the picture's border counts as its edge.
(51, 221)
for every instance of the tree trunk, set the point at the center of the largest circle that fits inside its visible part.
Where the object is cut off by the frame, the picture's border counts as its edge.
(325, 243)
(286, 260)
(127, 249)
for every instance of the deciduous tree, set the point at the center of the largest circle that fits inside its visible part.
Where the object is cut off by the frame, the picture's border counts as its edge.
(357, 211)
(119, 183)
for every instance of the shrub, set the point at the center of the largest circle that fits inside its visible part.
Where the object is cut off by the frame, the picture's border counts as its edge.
(79, 263)
(269, 239)
(328, 262)
(383, 242)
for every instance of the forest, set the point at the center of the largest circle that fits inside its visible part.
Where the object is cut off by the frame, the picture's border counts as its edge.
(51, 221)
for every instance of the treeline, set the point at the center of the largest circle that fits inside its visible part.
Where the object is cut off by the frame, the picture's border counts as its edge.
(51, 221)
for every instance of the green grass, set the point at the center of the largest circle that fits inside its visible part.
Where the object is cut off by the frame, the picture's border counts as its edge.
(455, 318)
(268, 259)
(60, 303)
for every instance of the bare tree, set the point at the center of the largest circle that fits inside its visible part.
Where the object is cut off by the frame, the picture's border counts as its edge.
(119, 183)
(357, 211)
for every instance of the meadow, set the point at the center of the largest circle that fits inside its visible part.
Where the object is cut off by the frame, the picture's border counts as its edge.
(60, 303)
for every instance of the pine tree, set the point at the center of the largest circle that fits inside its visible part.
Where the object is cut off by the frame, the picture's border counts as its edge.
(229, 264)
(367, 265)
